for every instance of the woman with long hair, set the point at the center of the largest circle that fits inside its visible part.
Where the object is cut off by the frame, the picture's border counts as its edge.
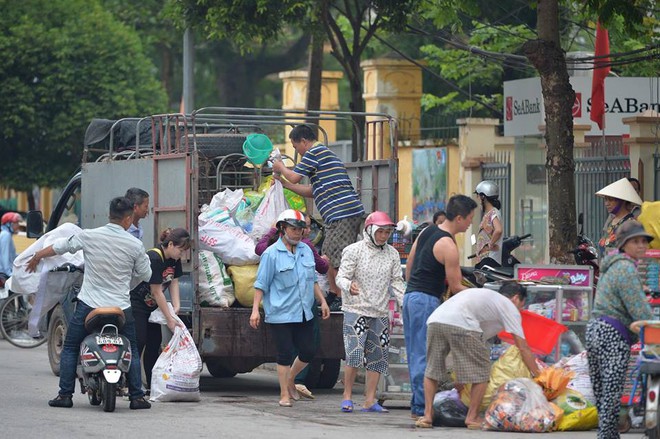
(491, 232)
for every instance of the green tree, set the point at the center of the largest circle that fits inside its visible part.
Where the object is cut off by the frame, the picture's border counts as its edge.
(64, 63)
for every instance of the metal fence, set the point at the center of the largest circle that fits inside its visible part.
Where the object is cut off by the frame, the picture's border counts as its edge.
(498, 169)
(596, 166)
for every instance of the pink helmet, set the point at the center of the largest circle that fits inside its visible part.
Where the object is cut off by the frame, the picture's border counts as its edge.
(380, 219)
(10, 217)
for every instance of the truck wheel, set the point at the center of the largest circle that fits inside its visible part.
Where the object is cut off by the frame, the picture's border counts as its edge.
(56, 335)
(218, 370)
(323, 373)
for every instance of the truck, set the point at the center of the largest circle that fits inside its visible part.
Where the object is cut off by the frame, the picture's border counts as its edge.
(182, 160)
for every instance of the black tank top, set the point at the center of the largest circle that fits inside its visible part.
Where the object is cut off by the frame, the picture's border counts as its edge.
(427, 274)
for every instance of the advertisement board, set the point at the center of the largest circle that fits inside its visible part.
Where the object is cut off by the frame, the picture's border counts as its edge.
(624, 97)
(577, 275)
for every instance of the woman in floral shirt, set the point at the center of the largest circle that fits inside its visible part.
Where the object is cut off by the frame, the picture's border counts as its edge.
(368, 270)
(490, 237)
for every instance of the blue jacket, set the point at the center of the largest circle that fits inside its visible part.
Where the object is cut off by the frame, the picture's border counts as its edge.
(7, 249)
(287, 280)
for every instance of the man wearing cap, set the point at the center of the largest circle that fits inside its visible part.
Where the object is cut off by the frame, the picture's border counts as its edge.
(620, 300)
(620, 198)
(8, 228)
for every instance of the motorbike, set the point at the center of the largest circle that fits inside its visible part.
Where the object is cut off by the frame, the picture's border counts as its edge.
(489, 270)
(585, 252)
(105, 357)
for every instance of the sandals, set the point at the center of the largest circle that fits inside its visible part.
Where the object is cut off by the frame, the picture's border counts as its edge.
(423, 423)
(304, 391)
(347, 406)
(376, 408)
(285, 404)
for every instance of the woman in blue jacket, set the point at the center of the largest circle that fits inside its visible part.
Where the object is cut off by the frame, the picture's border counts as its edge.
(287, 284)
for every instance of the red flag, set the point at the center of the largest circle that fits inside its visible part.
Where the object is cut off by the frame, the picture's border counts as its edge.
(601, 70)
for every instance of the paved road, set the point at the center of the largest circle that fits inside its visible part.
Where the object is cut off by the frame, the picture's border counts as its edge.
(244, 406)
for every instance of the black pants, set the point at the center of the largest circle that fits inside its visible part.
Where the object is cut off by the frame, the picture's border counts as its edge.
(149, 338)
(294, 336)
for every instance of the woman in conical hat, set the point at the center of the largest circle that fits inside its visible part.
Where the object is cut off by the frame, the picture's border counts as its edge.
(620, 198)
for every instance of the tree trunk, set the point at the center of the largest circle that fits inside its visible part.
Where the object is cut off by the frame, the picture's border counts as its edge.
(315, 75)
(548, 58)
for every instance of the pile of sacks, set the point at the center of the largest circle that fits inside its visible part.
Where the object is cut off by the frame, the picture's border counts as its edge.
(229, 228)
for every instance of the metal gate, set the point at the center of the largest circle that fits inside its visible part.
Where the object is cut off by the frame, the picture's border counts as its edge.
(596, 166)
(498, 169)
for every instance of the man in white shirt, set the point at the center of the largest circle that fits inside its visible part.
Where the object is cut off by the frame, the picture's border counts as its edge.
(113, 258)
(461, 325)
(140, 200)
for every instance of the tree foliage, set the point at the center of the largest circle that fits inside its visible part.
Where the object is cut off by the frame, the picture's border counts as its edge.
(64, 63)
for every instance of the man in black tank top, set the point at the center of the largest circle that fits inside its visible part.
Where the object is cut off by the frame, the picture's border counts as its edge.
(433, 260)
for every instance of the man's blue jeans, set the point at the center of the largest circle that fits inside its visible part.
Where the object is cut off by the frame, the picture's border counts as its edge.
(417, 307)
(76, 333)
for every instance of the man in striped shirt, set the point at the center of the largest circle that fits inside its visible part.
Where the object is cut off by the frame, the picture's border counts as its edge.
(333, 193)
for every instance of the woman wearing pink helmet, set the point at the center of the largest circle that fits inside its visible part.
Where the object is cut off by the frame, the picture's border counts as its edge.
(368, 269)
(8, 228)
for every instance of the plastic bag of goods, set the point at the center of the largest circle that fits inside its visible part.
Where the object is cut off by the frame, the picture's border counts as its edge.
(519, 405)
(228, 241)
(448, 410)
(226, 199)
(580, 420)
(215, 286)
(244, 277)
(270, 208)
(509, 366)
(175, 376)
(571, 401)
(553, 381)
(581, 382)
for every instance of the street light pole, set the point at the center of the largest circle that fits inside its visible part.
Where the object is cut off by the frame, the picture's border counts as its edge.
(188, 71)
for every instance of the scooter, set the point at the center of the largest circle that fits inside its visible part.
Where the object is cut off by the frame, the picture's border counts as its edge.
(585, 252)
(105, 357)
(489, 270)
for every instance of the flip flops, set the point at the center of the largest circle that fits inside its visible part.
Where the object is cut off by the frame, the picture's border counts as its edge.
(423, 423)
(347, 406)
(304, 391)
(376, 408)
(285, 404)
(473, 426)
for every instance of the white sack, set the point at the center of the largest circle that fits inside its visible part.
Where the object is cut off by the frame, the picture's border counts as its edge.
(215, 286)
(271, 206)
(228, 241)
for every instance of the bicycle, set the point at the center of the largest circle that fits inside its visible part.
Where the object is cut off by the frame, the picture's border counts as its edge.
(14, 321)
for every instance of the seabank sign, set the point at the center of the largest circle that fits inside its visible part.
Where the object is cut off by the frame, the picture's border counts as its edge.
(624, 97)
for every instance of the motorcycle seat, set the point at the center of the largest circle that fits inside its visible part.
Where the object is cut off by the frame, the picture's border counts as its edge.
(100, 317)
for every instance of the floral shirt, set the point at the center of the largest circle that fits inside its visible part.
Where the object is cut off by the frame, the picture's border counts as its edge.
(607, 244)
(375, 270)
(486, 229)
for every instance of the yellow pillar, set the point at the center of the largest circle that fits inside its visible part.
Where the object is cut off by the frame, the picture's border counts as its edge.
(294, 97)
(643, 143)
(393, 86)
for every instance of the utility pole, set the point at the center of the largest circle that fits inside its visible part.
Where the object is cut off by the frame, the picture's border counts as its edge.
(188, 71)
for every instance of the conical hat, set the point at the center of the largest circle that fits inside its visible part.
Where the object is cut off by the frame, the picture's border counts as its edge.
(621, 189)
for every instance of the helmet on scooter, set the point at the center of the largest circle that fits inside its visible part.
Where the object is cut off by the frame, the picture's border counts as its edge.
(292, 217)
(380, 219)
(488, 188)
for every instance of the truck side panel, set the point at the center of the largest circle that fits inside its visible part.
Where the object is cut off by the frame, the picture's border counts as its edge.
(102, 181)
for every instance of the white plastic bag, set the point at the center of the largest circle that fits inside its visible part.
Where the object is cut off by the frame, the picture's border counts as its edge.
(175, 376)
(215, 286)
(228, 241)
(582, 381)
(227, 199)
(271, 206)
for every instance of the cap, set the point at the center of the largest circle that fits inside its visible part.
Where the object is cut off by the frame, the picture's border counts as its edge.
(11, 217)
(628, 230)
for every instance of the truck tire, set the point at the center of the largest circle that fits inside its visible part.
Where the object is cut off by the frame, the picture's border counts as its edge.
(218, 369)
(56, 334)
(323, 373)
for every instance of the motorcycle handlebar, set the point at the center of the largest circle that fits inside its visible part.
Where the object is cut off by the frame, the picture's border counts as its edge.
(69, 268)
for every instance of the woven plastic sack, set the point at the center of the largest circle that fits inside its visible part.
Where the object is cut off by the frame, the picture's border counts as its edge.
(215, 286)
(228, 241)
(175, 376)
(244, 278)
(519, 405)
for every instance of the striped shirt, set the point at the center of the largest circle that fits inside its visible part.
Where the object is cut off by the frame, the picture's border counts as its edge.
(114, 260)
(333, 192)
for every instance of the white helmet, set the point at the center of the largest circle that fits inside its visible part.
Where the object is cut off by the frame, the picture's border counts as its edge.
(488, 188)
(293, 218)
